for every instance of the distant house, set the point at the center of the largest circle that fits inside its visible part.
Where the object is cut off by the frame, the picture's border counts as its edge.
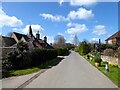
(30, 39)
(114, 39)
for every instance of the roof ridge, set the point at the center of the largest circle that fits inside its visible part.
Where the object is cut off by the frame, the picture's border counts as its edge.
(19, 33)
(115, 35)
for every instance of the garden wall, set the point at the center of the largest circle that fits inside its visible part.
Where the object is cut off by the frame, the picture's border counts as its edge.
(109, 59)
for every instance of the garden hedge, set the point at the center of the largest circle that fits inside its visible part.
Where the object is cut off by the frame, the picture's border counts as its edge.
(62, 51)
(27, 59)
(42, 55)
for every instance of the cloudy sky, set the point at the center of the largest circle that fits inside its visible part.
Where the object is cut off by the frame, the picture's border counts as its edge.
(87, 20)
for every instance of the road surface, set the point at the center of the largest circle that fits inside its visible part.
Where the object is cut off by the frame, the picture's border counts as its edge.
(72, 72)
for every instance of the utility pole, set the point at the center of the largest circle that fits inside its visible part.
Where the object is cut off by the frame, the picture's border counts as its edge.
(100, 47)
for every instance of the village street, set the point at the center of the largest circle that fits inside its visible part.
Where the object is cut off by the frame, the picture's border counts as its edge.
(72, 72)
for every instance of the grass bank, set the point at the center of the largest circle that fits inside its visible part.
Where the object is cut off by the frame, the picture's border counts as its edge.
(34, 69)
(113, 74)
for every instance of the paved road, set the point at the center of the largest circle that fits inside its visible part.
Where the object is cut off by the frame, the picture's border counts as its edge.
(72, 72)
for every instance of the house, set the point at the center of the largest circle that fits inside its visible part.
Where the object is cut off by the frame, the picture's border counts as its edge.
(114, 39)
(30, 39)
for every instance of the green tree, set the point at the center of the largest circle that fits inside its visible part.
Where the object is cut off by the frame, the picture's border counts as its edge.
(84, 48)
(19, 58)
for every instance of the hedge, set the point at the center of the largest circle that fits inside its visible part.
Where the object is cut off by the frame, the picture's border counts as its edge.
(42, 55)
(62, 51)
(20, 60)
(28, 59)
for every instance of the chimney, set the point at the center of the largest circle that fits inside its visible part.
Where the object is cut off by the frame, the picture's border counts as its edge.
(45, 39)
(30, 32)
(38, 35)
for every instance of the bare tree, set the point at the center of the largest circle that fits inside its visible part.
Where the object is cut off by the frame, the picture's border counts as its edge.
(75, 40)
(59, 41)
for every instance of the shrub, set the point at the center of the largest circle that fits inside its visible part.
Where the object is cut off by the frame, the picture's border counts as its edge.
(21, 57)
(62, 51)
(39, 56)
(19, 60)
(76, 49)
(97, 59)
(119, 57)
(109, 52)
(84, 48)
(113, 64)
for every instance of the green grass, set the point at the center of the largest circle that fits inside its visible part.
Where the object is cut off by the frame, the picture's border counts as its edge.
(24, 71)
(21, 72)
(30, 70)
(113, 74)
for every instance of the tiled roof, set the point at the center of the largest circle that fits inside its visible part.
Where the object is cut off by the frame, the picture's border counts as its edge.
(19, 36)
(32, 42)
(116, 35)
(7, 41)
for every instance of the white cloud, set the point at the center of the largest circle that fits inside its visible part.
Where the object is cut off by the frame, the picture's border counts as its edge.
(54, 17)
(99, 30)
(81, 13)
(94, 40)
(6, 20)
(61, 1)
(50, 39)
(76, 28)
(35, 28)
(70, 24)
(82, 2)
(60, 33)
(15, 29)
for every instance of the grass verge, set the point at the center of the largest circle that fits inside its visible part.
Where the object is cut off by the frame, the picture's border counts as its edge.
(113, 74)
(30, 70)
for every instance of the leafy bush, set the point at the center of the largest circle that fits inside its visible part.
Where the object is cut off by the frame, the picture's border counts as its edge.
(97, 59)
(109, 52)
(21, 57)
(113, 64)
(62, 51)
(39, 56)
(119, 57)
(84, 48)
(76, 49)
(19, 60)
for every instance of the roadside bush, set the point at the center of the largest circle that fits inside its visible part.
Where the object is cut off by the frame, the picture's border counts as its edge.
(119, 57)
(76, 49)
(39, 56)
(97, 59)
(19, 60)
(84, 48)
(62, 51)
(113, 64)
(21, 57)
(109, 52)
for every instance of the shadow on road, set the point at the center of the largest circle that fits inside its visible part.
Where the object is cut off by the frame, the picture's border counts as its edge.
(56, 61)
(51, 63)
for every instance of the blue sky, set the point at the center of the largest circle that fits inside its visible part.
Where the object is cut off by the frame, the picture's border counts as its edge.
(90, 22)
